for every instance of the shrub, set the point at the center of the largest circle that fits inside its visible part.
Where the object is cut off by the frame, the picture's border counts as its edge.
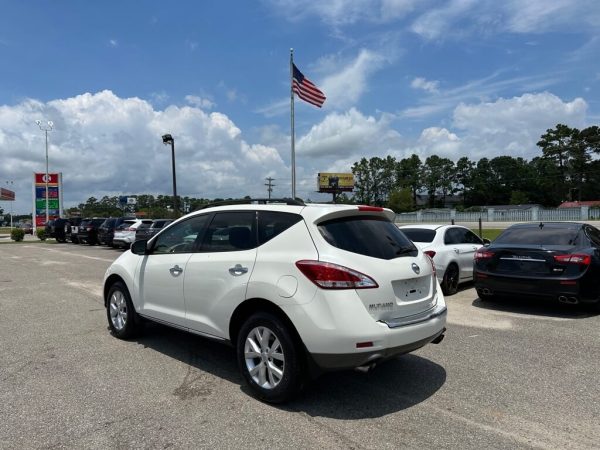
(41, 234)
(17, 234)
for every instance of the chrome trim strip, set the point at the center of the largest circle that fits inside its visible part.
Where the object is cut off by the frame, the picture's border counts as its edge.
(506, 258)
(180, 327)
(417, 318)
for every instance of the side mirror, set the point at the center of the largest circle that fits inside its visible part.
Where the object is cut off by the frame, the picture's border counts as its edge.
(486, 241)
(139, 247)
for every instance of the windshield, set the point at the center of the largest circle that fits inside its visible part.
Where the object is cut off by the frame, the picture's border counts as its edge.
(366, 235)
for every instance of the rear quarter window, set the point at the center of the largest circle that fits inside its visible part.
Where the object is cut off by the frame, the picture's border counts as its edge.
(372, 236)
(273, 223)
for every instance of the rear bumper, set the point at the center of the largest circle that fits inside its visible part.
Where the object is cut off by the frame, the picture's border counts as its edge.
(328, 361)
(346, 337)
(580, 289)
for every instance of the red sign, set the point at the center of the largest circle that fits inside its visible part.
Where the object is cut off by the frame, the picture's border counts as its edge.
(40, 178)
(6, 194)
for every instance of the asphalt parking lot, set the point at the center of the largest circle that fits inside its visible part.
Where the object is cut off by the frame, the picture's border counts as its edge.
(516, 374)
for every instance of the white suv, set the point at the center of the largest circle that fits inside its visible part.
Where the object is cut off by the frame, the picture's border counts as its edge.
(125, 233)
(296, 289)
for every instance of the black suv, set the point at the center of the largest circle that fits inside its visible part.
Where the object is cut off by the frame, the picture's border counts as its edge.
(88, 230)
(72, 228)
(106, 231)
(146, 231)
(58, 229)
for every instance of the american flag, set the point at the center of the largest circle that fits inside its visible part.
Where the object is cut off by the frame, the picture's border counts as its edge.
(306, 90)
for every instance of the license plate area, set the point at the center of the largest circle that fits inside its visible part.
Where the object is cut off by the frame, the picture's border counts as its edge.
(412, 289)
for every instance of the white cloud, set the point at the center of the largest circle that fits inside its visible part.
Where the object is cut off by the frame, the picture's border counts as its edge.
(513, 126)
(199, 102)
(106, 145)
(113, 43)
(346, 86)
(428, 86)
(338, 13)
(350, 133)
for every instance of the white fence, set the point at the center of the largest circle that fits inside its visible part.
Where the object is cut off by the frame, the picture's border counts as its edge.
(582, 213)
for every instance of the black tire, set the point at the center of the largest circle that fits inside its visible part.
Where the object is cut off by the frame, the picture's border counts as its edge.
(450, 280)
(123, 321)
(290, 362)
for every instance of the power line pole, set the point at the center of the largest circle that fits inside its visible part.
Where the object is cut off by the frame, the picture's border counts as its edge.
(270, 185)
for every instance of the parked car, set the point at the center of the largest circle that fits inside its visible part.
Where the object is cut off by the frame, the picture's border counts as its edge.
(73, 229)
(296, 288)
(106, 231)
(59, 229)
(146, 231)
(49, 228)
(547, 260)
(452, 248)
(88, 230)
(125, 234)
(26, 227)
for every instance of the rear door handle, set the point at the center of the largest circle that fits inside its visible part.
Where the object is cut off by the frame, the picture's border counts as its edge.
(176, 270)
(238, 270)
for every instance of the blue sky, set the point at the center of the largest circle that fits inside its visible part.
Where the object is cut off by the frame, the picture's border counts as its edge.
(452, 78)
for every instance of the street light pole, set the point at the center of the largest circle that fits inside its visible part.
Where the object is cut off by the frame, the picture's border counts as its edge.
(46, 127)
(10, 183)
(168, 139)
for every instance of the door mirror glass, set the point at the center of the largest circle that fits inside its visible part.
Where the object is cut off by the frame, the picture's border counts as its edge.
(139, 247)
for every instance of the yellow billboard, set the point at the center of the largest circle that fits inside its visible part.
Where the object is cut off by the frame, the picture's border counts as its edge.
(335, 182)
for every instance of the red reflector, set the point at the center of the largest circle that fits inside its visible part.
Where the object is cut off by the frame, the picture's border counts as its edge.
(370, 208)
(569, 283)
(481, 275)
(574, 259)
(364, 344)
(430, 253)
(333, 276)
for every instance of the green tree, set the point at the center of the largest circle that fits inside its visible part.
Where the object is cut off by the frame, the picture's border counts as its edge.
(409, 174)
(401, 200)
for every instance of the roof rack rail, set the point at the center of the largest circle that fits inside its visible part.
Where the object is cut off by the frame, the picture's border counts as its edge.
(256, 201)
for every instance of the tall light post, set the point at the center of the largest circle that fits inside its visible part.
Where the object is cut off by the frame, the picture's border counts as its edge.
(168, 139)
(46, 127)
(10, 183)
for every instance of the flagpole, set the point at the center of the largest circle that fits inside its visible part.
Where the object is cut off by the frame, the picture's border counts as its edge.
(292, 123)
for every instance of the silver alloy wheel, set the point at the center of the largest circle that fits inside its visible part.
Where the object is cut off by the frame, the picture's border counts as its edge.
(118, 310)
(264, 356)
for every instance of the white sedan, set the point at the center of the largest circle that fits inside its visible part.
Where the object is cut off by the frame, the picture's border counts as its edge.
(451, 247)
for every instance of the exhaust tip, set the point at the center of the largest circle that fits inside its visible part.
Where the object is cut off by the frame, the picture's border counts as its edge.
(568, 300)
(438, 339)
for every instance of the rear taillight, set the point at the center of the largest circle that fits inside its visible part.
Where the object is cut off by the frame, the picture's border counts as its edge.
(483, 254)
(429, 253)
(430, 258)
(90, 228)
(333, 276)
(584, 260)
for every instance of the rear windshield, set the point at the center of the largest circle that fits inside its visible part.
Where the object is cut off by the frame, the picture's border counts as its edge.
(144, 225)
(97, 221)
(545, 236)
(109, 222)
(419, 234)
(367, 235)
(160, 223)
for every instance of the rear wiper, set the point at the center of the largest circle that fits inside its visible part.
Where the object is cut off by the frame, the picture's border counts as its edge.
(404, 251)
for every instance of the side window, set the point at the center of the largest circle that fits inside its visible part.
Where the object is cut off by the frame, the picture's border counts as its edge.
(594, 235)
(230, 232)
(468, 237)
(451, 238)
(272, 223)
(182, 237)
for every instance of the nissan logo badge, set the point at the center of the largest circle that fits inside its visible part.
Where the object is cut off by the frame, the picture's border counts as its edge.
(416, 268)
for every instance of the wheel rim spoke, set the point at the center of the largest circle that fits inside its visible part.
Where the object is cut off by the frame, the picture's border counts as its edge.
(264, 357)
(118, 310)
